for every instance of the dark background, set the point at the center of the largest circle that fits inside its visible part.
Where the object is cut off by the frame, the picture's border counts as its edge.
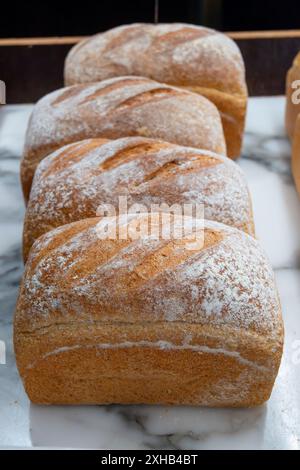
(32, 69)
(62, 18)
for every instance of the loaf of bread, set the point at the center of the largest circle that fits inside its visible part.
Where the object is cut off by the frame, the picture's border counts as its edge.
(292, 120)
(148, 320)
(296, 154)
(120, 107)
(193, 57)
(292, 108)
(74, 181)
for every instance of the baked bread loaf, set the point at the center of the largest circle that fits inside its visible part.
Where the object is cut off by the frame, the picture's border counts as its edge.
(296, 155)
(147, 320)
(292, 121)
(119, 107)
(292, 109)
(193, 57)
(74, 181)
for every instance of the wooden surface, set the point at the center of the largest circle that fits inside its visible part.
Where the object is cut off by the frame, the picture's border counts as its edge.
(32, 67)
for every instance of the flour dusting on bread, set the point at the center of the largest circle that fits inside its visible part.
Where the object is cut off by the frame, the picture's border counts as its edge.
(119, 107)
(232, 281)
(180, 54)
(74, 181)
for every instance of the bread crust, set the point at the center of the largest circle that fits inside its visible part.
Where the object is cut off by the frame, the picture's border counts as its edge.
(119, 107)
(292, 110)
(296, 154)
(148, 321)
(74, 181)
(184, 55)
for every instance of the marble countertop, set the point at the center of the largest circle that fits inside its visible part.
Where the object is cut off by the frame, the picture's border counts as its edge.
(276, 425)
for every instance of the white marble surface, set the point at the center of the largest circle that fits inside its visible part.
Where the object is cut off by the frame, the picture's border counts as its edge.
(276, 425)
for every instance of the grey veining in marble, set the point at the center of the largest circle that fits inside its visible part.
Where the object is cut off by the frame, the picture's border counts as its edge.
(276, 425)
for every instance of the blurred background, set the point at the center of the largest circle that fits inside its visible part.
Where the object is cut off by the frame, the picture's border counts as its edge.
(62, 18)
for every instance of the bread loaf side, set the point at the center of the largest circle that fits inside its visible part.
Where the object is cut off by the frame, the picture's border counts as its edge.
(292, 108)
(296, 154)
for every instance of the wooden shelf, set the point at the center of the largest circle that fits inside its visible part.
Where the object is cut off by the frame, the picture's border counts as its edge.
(32, 67)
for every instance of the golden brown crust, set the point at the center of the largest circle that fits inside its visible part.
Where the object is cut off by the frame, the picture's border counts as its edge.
(232, 109)
(73, 182)
(292, 109)
(296, 155)
(148, 371)
(148, 321)
(124, 106)
(292, 120)
(183, 55)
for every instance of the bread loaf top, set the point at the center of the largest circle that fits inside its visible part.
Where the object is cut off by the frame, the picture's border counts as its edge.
(123, 106)
(74, 181)
(178, 54)
(72, 275)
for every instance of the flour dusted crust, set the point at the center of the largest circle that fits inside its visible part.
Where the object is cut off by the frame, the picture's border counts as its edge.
(148, 320)
(196, 58)
(71, 183)
(119, 107)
